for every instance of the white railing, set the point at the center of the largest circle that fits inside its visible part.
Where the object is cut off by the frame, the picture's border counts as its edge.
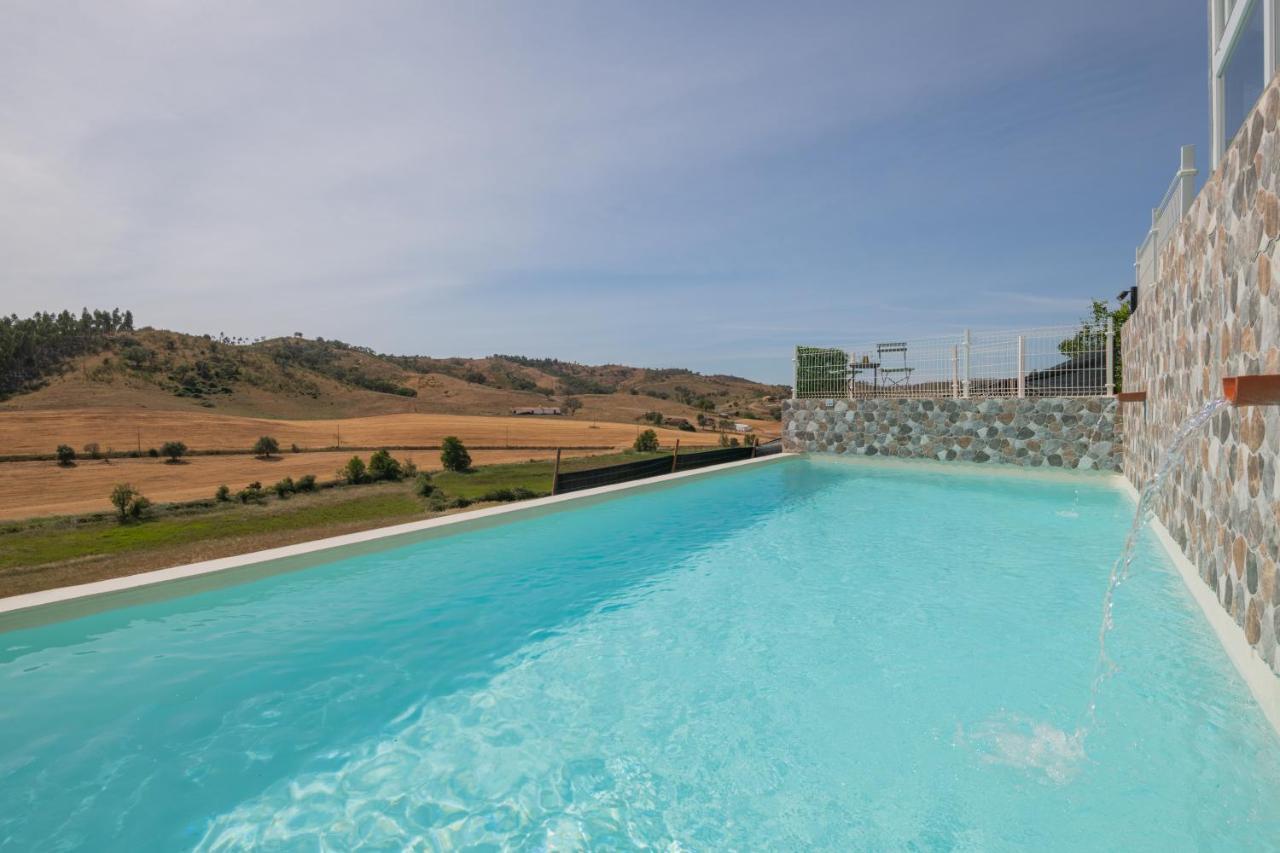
(1165, 218)
(1060, 361)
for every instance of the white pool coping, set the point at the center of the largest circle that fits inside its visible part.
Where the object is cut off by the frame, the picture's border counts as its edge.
(1258, 676)
(113, 592)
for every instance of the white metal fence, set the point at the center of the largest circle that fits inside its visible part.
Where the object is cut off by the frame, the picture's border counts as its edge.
(1060, 361)
(1165, 217)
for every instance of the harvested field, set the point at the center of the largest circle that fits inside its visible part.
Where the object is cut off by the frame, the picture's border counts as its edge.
(28, 432)
(42, 488)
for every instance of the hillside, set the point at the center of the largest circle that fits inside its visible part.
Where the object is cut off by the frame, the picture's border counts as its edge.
(122, 368)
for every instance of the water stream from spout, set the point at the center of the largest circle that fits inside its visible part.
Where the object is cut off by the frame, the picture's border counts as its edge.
(1028, 744)
(1169, 462)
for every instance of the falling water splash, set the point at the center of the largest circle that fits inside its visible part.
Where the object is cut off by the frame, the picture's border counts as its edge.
(1169, 463)
(1031, 745)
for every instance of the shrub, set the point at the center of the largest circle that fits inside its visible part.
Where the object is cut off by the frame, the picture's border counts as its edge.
(175, 450)
(453, 455)
(66, 455)
(383, 466)
(284, 488)
(437, 503)
(354, 471)
(252, 493)
(422, 485)
(306, 483)
(295, 448)
(153, 453)
(93, 449)
(505, 495)
(459, 503)
(121, 496)
(222, 494)
(266, 447)
(646, 442)
(139, 507)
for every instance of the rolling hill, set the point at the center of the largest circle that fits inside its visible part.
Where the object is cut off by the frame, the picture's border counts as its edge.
(301, 378)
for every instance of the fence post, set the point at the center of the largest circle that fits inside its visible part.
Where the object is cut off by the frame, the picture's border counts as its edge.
(675, 455)
(1110, 358)
(555, 474)
(795, 373)
(968, 346)
(955, 371)
(1022, 365)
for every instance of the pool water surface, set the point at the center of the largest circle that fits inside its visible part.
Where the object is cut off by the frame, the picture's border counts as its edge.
(795, 655)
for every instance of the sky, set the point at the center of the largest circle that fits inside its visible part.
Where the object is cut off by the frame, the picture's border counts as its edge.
(683, 184)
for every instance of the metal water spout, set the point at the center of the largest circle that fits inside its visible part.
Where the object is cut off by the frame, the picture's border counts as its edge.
(1252, 390)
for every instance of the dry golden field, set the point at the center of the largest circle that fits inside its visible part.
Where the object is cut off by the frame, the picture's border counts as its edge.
(32, 489)
(30, 432)
(42, 488)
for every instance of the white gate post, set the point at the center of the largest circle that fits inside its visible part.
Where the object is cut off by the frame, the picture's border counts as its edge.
(795, 373)
(968, 345)
(1022, 365)
(1110, 359)
(955, 371)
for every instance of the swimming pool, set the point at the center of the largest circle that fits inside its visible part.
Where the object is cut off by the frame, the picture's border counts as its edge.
(801, 654)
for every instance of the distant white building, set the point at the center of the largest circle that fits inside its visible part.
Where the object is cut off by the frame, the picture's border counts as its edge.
(536, 410)
(742, 427)
(1242, 60)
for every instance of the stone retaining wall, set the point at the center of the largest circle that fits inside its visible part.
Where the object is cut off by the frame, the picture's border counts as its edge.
(1215, 312)
(1058, 432)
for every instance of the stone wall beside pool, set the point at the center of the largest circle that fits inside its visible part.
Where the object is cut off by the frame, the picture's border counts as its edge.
(1055, 432)
(1215, 312)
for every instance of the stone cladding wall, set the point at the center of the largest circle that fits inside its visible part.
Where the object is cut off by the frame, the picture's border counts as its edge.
(1056, 432)
(1215, 312)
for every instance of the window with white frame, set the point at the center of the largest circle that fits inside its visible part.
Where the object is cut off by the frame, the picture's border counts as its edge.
(1243, 47)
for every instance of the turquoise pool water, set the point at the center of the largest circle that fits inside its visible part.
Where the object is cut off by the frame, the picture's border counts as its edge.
(803, 655)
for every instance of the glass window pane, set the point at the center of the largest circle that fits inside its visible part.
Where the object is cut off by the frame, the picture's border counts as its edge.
(1243, 76)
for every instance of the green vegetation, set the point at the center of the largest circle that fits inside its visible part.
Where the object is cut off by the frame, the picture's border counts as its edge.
(223, 493)
(1092, 336)
(175, 450)
(454, 455)
(129, 502)
(354, 472)
(266, 447)
(384, 466)
(51, 543)
(646, 442)
(821, 371)
(33, 348)
(66, 455)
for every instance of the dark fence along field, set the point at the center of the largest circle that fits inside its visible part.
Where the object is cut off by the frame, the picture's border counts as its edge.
(576, 481)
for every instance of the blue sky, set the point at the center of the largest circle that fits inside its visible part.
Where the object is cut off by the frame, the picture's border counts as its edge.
(669, 184)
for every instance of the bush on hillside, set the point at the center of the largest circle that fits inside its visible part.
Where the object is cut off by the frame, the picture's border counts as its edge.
(646, 442)
(422, 485)
(306, 483)
(129, 502)
(252, 493)
(454, 455)
(93, 449)
(66, 455)
(284, 488)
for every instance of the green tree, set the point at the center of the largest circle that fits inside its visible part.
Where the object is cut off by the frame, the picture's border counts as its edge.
(354, 472)
(175, 450)
(571, 405)
(384, 466)
(266, 447)
(223, 493)
(122, 496)
(454, 455)
(66, 455)
(646, 442)
(1092, 336)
